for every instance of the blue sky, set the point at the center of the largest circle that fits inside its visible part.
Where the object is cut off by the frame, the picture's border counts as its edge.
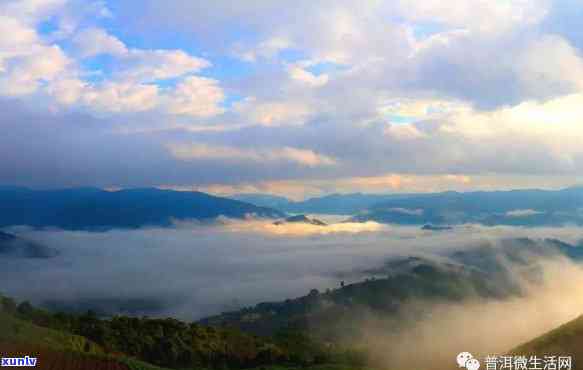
(259, 96)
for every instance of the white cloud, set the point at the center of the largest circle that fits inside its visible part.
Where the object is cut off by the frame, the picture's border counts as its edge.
(121, 97)
(492, 16)
(273, 113)
(151, 65)
(299, 74)
(523, 213)
(542, 65)
(404, 132)
(407, 211)
(24, 74)
(16, 38)
(301, 229)
(302, 157)
(196, 96)
(31, 11)
(266, 49)
(28, 64)
(94, 41)
(67, 91)
(553, 125)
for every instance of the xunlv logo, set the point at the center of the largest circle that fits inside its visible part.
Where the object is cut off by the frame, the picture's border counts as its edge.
(19, 361)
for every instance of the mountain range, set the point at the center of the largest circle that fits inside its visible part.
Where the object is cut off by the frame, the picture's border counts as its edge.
(96, 209)
(514, 207)
(334, 204)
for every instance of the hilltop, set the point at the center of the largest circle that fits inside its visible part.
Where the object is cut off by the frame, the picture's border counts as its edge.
(301, 219)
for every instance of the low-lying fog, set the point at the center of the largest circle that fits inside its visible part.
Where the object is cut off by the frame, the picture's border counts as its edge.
(193, 270)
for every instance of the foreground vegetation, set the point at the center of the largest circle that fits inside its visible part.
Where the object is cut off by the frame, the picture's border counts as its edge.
(58, 350)
(163, 342)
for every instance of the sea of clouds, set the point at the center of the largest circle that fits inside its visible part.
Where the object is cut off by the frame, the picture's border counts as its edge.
(194, 270)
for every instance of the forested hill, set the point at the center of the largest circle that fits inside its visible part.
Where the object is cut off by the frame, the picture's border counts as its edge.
(90, 208)
(474, 273)
(165, 342)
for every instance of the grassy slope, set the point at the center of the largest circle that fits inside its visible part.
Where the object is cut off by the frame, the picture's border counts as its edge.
(20, 338)
(566, 340)
(17, 331)
(31, 339)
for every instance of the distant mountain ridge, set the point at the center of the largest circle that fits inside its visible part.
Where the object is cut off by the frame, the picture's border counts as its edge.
(513, 207)
(334, 204)
(526, 207)
(95, 209)
(92, 208)
(263, 200)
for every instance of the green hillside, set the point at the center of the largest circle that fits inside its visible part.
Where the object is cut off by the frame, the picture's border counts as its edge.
(566, 340)
(58, 349)
(166, 343)
(14, 330)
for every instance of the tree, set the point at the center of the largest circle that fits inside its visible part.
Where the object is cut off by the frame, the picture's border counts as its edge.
(25, 309)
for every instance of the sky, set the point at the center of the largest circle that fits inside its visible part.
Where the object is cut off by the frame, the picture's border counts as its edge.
(295, 99)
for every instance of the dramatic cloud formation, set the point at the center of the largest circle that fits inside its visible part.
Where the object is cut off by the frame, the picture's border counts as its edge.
(195, 270)
(335, 96)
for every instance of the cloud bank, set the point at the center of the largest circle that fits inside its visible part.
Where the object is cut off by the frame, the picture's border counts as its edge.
(387, 96)
(193, 270)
